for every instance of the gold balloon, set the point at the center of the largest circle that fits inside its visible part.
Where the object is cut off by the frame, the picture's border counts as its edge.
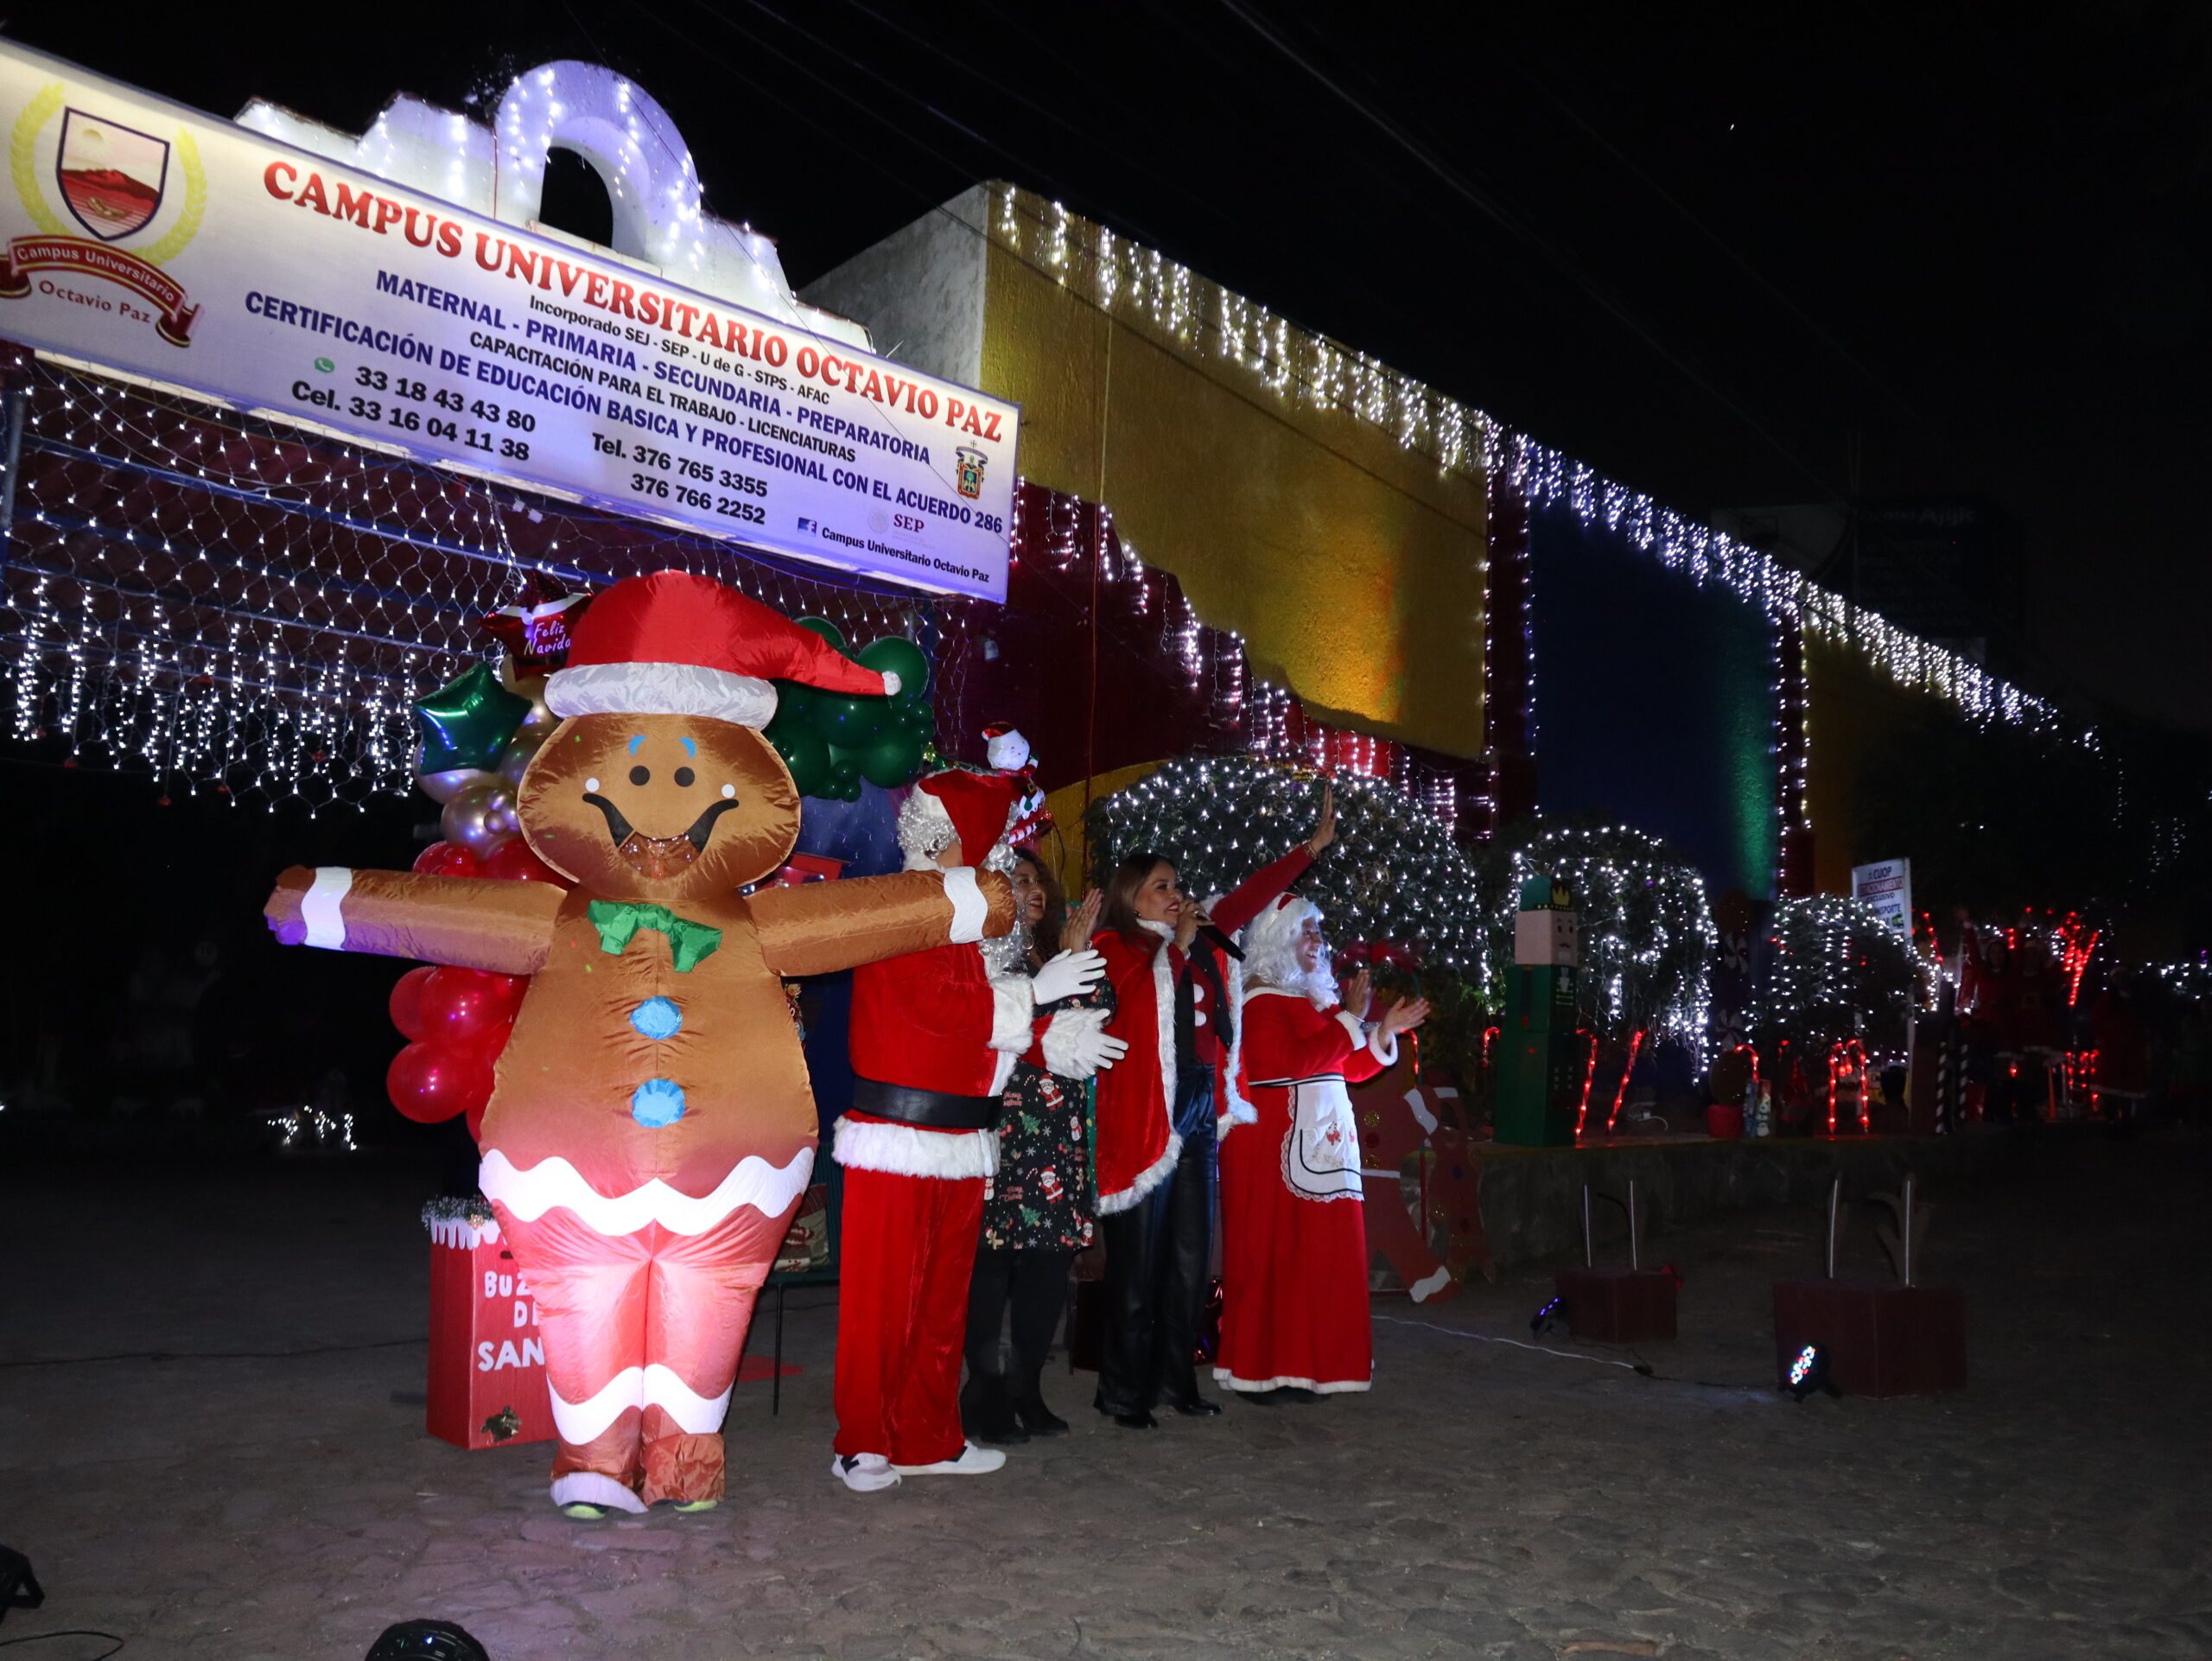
(517, 758)
(444, 787)
(538, 726)
(472, 815)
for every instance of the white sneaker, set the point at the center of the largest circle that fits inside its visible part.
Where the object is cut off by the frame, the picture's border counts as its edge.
(864, 1472)
(970, 1461)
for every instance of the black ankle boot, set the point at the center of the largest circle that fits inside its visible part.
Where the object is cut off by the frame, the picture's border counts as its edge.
(1030, 1411)
(986, 1412)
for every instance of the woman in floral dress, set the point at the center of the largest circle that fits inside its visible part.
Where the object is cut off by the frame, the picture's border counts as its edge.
(1040, 1207)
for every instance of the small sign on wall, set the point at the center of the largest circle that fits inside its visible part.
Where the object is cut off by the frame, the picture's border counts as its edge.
(1886, 885)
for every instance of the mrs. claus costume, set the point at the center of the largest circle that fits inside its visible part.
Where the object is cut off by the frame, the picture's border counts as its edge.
(934, 1036)
(1293, 1276)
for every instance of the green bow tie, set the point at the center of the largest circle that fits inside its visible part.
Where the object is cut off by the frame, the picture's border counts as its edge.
(688, 942)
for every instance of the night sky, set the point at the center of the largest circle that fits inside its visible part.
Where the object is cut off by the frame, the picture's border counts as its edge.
(1711, 253)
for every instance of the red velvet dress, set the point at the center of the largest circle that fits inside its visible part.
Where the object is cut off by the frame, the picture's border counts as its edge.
(1293, 1230)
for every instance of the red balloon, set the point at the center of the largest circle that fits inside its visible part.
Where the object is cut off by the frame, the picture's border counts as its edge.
(431, 1082)
(476, 1121)
(407, 1001)
(447, 859)
(510, 989)
(461, 1007)
(513, 861)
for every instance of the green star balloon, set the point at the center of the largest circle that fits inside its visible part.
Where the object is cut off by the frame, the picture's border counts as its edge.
(467, 722)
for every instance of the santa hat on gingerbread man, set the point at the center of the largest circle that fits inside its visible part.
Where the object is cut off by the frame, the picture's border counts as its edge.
(673, 644)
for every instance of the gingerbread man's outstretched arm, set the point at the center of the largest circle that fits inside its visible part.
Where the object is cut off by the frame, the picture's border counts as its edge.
(506, 927)
(828, 926)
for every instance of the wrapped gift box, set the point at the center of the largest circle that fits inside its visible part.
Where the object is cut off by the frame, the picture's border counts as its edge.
(487, 1385)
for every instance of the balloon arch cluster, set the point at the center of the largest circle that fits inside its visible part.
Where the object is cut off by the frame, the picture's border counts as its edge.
(479, 733)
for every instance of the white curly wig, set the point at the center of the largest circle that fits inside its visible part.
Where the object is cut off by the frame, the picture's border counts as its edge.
(1270, 943)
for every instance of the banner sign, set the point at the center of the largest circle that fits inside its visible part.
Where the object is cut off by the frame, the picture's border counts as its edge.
(143, 237)
(1887, 886)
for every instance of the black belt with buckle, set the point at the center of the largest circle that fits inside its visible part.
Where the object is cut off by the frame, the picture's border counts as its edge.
(936, 1108)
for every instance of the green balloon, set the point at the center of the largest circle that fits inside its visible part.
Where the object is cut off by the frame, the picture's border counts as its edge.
(918, 716)
(844, 767)
(897, 655)
(795, 701)
(467, 722)
(851, 721)
(804, 751)
(890, 762)
(828, 630)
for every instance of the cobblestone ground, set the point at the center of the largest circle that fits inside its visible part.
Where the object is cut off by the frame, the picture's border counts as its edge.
(1482, 1501)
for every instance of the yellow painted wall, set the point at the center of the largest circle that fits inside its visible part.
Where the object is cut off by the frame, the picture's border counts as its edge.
(1852, 710)
(1352, 567)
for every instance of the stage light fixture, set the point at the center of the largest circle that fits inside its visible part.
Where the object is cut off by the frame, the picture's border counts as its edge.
(1550, 1321)
(1807, 1373)
(427, 1640)
(19, 1588)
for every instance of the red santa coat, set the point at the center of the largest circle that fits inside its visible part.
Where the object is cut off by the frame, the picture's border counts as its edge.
(933, 1021)
(1294, 1230)
(1137, 1143)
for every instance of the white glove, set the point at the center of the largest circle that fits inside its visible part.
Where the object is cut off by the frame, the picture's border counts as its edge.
(1067, 975)
(1076, 1044)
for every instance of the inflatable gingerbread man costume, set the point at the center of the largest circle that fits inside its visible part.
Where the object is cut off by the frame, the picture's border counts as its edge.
(652, 1128)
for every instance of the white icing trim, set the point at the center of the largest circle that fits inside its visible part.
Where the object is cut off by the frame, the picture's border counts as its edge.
(661, 689)
(640, 1387)
(321, 908)
(462, 1235)
(1227, 1381)
(530, 1194)
(595, 1488)
(1429, 1285)
(910, 1151)
(971, 913)
(1422, 1116)
(1013, 1013)
(582, 1421)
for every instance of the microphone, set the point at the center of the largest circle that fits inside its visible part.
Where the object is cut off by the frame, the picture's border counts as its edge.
(1219, 940)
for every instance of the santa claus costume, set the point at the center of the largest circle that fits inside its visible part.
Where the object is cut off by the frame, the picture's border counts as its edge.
(935, 1035)
(1294, 1315)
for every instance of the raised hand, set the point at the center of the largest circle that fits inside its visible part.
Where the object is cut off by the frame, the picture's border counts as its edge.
(1326, 831)
(1081, 924)
(1186, 926)
(1358, 992)
(1403, 1017)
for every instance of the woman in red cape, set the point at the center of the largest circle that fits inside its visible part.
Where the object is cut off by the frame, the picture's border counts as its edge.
(1156, 1114)
(1295, 1321)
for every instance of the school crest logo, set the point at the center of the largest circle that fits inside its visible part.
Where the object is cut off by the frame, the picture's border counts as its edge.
(116, 182)
(970, 466)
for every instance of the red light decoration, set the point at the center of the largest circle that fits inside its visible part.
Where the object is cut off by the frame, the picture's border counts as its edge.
(2074, 954)
(1589, 1073)
(1635, 1043)
(1845, 1056)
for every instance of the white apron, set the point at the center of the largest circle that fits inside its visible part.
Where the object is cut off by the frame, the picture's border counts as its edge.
(1320, 1155)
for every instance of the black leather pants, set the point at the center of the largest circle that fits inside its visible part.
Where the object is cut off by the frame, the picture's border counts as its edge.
(1156, 1257)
